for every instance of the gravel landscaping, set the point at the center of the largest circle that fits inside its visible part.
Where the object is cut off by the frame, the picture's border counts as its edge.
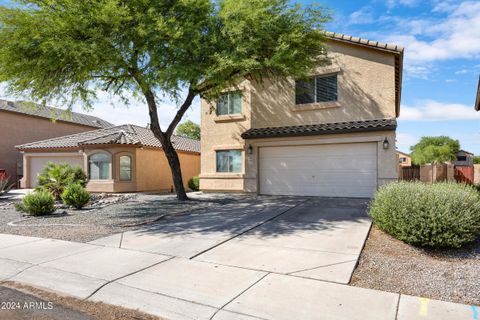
(445, 274)
(106, 217)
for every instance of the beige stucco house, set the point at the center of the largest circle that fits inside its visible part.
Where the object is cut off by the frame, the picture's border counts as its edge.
(404, 159)
(124, 158)
(330, 135)
(23, 122)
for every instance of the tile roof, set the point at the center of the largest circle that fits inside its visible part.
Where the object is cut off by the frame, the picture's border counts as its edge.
(324, 128)
(43, 111)
(364, 42)
(125, 135)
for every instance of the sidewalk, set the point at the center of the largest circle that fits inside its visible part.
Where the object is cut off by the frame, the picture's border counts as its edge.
(181, 288)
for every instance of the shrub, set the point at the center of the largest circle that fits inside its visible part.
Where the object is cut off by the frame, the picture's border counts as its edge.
(5, 186)
(37, 203)
(75, 196)
(55, 177)
(194, 183)
(435, 215)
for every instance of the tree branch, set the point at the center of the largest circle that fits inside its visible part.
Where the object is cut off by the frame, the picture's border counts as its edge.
(181, 112)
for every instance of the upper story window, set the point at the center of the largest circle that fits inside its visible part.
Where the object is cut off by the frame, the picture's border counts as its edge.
(317, 89)
(229, 161)
(403, 160)
(99, 166)
(125, 168)
(229, 103)
(461, 158)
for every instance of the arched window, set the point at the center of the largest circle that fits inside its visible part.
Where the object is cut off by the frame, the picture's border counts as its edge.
(125, 168)
(99, 166)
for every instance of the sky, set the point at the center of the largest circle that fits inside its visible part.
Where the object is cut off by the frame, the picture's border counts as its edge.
(441, 66)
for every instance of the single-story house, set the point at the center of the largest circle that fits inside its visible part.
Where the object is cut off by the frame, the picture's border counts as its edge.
(125, 158)
(404, 159)
(22, 122)
(464, 158)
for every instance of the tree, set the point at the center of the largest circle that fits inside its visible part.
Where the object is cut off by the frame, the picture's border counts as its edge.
(476, 159)
(435, 150)
(189, 129)
(67, 50)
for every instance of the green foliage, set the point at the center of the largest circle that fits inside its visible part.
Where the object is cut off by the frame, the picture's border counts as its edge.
(124, 47)
(435, 150)
(435, 215)
(37, 203)
(75, 196)
(476, 159)
(189, 129)
(5, 186)
(55, 177)
(194, 184)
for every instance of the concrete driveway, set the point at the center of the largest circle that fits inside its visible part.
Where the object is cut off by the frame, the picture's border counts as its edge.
(319, 238)
(266, 258)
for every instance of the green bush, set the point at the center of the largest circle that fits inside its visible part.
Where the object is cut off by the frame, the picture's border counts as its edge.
(75, 196)
(37, 203)
(56, 177)
(194, 184)
(433, 215)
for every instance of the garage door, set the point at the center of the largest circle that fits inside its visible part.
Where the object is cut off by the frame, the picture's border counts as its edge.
(333, 170)
(37, 164)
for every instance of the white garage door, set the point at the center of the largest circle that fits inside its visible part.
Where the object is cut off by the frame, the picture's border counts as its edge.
(333, 170)
(37, 164)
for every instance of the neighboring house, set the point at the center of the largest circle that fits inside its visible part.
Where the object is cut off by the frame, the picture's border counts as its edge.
(22, 122)
(332, 134)
(404, 159)
(464, 158)
(124, 158)
(477, 101)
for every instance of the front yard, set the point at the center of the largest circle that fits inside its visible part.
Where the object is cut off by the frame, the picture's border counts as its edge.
(391, 265)
(90, 223)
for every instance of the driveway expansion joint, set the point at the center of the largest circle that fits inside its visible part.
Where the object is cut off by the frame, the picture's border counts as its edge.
(248, 230)
(124, 276)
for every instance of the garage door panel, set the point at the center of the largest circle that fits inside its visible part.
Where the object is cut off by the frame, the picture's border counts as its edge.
(37, 164)
(347, 170)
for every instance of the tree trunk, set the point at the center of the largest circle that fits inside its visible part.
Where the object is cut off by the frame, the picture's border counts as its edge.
(165, 139)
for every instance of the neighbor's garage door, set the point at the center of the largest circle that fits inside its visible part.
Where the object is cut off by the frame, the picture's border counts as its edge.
(37, 164)
(333, 170)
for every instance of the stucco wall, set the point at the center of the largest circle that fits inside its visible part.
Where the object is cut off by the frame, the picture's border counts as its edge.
(153, 170)
(18, 129)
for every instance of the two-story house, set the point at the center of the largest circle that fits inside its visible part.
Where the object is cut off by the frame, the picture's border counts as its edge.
(332, 134)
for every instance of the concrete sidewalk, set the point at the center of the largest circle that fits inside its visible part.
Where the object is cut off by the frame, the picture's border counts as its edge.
(181, 288)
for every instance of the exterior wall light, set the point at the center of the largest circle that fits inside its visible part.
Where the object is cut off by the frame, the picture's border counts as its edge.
(386, 144)
(250, 149)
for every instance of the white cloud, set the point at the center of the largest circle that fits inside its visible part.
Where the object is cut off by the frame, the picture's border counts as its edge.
(405, 141)
(430, 110)
(393, 3)
(362, 16)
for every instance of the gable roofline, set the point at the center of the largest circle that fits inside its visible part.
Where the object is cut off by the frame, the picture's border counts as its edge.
(464, 151)
(42, 111)
(127, 135)
(477, 101)
(404, 153)
(390, 48)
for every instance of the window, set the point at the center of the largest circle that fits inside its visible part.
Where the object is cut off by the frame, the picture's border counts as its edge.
(99, 166)
(229, 103)
(317, 89)
(462, 158)
(403, 160)
(229, 161)
(125, 168)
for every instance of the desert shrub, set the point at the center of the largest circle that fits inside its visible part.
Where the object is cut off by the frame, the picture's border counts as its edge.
(37, 203)
(434, 215)
(5, 185)
(75, 196)
(56, 177)
(194, 183)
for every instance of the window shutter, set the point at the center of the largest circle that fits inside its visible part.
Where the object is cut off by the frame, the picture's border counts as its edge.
(305, 91)
(327, 88)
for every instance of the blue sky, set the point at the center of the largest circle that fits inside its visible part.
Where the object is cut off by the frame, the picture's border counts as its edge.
(442, 66)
